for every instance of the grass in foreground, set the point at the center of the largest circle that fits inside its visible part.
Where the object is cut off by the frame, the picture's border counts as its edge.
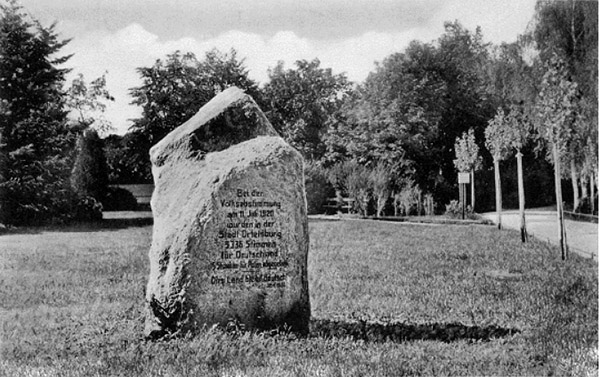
(387, 300)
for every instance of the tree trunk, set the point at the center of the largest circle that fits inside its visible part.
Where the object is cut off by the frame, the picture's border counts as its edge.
(584, 186)
(463, 198)
(498, 191)
(592, 194)
(574, 185)
(521, 196)
(429, 210)
(473, 190)
(562, 234)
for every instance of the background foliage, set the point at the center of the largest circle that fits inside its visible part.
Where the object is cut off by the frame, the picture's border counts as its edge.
(409, 111)
(406, 115)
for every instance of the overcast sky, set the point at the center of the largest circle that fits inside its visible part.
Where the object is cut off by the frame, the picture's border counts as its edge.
(347, 35)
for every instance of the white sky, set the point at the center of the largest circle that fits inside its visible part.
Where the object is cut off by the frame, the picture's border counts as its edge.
(347, 35)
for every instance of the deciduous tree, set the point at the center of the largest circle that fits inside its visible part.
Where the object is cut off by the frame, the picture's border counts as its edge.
(554, 119)
(414, 105)
(587, 124)
(468, 158)
(87, 103)
(569, 30)
(498, 140)
(465, 58)
(519, 133)
(303, 102)
(173, 90)
(394, 116)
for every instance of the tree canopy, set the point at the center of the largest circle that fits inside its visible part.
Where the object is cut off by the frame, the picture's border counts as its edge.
(421, 112)
(467, 153)
(173, 90)
(569, 30)
(499, 135)
(409, 111)
(86, 102)
(303, 102)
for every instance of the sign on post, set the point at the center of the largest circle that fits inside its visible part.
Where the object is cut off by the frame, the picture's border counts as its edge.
(464, 178)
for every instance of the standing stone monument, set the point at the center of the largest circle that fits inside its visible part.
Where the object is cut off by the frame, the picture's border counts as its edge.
(230, 237)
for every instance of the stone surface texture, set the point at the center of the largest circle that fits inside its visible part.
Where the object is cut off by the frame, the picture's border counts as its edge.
(230, 236)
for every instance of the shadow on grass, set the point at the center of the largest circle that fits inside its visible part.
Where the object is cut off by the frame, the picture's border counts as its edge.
(95, 226)
(400, 332)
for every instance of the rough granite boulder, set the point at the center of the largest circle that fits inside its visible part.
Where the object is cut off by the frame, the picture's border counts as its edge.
(230, 236)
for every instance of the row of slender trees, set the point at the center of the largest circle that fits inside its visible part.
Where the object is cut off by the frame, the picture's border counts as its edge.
(560, 118)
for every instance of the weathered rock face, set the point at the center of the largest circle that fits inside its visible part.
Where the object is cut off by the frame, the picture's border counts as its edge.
(230, 237)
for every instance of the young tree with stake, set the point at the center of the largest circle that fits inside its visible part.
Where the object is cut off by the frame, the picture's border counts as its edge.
(518, 133)
(468, 158)
(555, 111)
(498, 141)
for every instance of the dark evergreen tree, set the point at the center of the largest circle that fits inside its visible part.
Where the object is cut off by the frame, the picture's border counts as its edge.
(90, 176)
(35, 138)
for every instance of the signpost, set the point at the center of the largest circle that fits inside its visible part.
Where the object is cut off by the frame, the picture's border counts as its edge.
(463, 180)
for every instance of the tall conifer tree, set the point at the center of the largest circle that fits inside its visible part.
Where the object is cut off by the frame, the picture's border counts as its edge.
(35, 139)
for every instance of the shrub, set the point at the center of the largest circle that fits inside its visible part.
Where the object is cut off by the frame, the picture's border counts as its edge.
(119, 199)
(86, 209)
(62, 207)
(338, 177)
(358, 183)
(89, 176)
(454, 211)
(407, 202)
(35, 191)
(380, 183)
(429, 205)
(338, 174)
(317, 186)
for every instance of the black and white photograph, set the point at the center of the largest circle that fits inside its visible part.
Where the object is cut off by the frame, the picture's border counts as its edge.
(249, 188)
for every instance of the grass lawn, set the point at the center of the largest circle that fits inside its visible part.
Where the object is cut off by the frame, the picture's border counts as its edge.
(387, 300)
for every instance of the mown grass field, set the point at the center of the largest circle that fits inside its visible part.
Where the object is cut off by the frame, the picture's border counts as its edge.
(387, 300)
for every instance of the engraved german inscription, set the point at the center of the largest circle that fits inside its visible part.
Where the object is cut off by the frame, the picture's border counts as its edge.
(250, 241)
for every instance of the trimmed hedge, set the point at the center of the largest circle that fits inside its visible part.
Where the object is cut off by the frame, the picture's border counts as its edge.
(119, 199)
